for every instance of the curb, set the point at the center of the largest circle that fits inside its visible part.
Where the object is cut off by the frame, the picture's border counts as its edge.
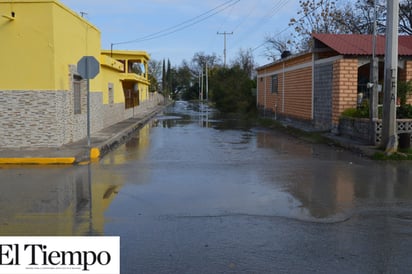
(38, 161)
(119, 138)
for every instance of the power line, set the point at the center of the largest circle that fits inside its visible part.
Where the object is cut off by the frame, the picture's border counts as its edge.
(276, 8)
(183, 25)
(285, 29)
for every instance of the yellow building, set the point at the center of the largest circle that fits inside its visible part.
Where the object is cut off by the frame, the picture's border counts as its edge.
(42, 95)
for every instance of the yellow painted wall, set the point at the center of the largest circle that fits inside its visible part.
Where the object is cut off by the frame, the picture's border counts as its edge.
(41, 42)
(111, 76)
(74, 38)
(46, 37)
(26, 43)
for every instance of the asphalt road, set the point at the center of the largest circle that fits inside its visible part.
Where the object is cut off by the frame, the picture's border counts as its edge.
(193, 192)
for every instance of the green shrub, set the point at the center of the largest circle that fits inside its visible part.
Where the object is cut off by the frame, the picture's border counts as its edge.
(349, 112)
(404, 89)
(360, 112)
(404, 112)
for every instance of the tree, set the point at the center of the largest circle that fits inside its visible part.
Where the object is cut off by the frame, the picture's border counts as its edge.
(167, 78)
(155, 74)
(358, 18)
(275, 46)
(325, 16)
(230, 90)
(316, 16)
(200, 59)
(188, 84)
(245, 61)
(405, 17)
(164, 84)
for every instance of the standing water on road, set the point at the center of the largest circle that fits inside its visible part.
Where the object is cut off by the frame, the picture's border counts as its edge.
(194, 192)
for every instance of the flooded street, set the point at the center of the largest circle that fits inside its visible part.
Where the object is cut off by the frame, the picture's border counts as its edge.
(196, 193)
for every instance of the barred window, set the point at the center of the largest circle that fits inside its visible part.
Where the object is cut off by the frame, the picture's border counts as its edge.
(77, 96)
(111, 94)
(275, 83)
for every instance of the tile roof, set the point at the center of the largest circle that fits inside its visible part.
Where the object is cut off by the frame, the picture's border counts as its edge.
(358, 44)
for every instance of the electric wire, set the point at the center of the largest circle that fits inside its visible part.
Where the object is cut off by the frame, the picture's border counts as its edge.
(264, 20)
(183, 25)
(212, 41)
(285, 29)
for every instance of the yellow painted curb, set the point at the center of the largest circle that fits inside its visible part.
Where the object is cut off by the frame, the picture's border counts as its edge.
(37, 161)
(94, 153)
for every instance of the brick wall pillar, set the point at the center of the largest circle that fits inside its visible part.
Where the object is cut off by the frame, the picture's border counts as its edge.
(406, 76)
(345, 87)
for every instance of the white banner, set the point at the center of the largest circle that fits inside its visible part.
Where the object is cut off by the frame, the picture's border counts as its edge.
(60, 255)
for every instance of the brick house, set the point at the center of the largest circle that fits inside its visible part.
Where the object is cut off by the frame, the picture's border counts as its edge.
(316, 87)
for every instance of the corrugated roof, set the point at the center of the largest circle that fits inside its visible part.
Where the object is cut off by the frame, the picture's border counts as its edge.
(358, 44)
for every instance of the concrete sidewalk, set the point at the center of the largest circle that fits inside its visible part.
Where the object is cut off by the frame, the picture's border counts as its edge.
(101, 143)
(357, 146)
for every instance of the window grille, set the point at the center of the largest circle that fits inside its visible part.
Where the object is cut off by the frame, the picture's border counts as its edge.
(111, 94)
(77, 97)
(275, 83)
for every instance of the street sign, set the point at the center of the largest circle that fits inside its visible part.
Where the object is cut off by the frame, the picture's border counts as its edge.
(88, 67)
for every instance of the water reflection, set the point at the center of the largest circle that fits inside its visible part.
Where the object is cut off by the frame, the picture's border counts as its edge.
(56, 200)
(189, 161)
(330, 183)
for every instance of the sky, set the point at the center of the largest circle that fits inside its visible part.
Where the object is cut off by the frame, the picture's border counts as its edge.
(177, 29)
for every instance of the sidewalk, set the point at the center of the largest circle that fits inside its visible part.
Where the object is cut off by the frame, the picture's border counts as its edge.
(101, 143)
(353, 145)
(345, 142)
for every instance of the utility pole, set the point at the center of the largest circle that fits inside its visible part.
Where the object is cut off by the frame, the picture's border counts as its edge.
(201, 85)
(200, 91)
(207, 84)
(224, 49)
(389, 136)
(373, 82)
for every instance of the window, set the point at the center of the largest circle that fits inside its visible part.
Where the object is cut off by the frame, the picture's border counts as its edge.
(77, 101)
(111, 94)
(275, 83)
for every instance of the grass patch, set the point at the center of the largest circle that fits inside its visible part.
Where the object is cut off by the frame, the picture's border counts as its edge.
(402, 154)
(312, 137)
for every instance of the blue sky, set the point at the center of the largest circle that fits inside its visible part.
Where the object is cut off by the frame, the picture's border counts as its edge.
(177, 29)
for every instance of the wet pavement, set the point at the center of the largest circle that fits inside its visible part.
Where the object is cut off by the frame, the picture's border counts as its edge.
(193, 192)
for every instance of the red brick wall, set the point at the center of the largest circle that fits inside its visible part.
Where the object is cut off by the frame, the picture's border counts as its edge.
(407, 77)
(296, 88)
(298, 93)
(266, 99)
(345, 87)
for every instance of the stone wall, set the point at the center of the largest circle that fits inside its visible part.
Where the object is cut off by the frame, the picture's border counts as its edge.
(45, 118)
(37, 119)
(356, 128)
(113, 113)
(30, 118)
(360, 129)
(322, 99)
